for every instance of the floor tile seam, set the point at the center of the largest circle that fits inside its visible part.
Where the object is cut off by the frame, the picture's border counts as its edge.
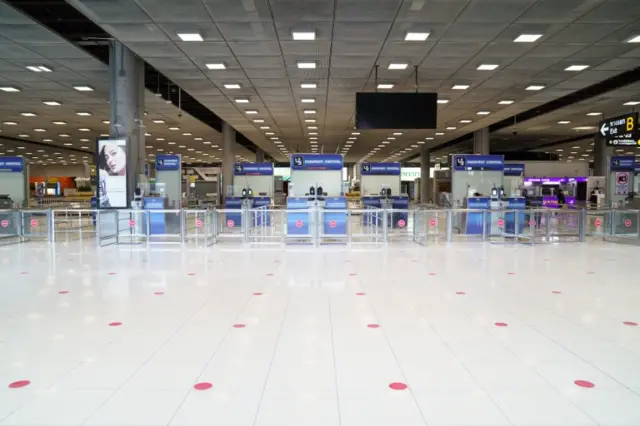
(395, 356)
(335, 369)
(273, 354)
(185, 322)
(206, 365)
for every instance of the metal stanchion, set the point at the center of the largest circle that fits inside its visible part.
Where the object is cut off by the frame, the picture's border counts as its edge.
(547, 224)
(449, 227)
(582, 225)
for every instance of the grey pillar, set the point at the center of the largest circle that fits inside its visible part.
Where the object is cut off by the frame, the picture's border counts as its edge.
(229, 157)
(600, 157)
(259, 155)
(126, 93)
(425, 181)
(481, 141)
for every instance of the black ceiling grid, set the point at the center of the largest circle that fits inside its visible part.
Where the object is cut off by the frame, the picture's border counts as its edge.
(63, 19)
(613, 83)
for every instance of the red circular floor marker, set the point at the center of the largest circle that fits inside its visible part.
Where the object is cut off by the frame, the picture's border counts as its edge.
(4, 223)
(239, 325)
(115, 324)
(158, 293)
(269, 275)
(398, 386)
(332, 223)
(360, 294)
(230, 223)
(501, 324)
(432, 273)
(352, 274)
(202, 386)
(590, 273)
(111, 273)
(63, 292)
(191, 273)
(630, 323)
(511, 273)
(257, 294)
(401, 223)
(556, 292)
(460, 293)
(584, 384)
(19, 384)
(373, 325)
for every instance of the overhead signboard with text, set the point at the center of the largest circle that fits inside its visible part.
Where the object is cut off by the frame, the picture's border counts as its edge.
(621, 130)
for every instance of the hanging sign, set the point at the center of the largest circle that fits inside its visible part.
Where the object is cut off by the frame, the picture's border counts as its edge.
(253, 169)
(380, 169)
(478, 162)
(316, 162)
(621, 130)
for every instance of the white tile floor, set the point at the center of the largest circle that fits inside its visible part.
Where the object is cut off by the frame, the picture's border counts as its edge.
(307, 354)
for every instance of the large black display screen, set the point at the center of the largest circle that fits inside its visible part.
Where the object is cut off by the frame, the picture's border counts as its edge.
(396, 110)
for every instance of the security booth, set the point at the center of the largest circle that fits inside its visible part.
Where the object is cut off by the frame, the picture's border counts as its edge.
(253, 188)
(319, 197)
(380, 188)
(14, 187)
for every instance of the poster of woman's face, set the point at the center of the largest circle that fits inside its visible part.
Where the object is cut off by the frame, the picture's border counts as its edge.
(112, 173)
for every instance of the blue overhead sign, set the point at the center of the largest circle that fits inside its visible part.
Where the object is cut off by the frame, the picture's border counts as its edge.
(255, 169)
(622, 163)
(514, 169)
(316, 162)
(167, 162)
(388, 169)
(478, 162)
(11, 164)
(637, 168)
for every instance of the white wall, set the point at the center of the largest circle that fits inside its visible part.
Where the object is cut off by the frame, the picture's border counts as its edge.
(371, 184)
(329, 180)
(554, 168)
(58, 170)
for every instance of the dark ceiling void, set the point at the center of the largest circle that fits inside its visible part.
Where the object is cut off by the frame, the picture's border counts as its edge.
(65, 20)
(608, 85)
(43, 145)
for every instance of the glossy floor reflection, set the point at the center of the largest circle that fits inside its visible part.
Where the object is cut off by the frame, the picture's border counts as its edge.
(443, 335)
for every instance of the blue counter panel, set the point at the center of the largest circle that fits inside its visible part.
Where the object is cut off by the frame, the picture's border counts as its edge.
(157, 225)
(233, 218)
(399, 219)
(335, 222)
(297, 223)
(515, 203)
(474, 219)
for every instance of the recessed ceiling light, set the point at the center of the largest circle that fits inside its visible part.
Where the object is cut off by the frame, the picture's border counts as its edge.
(416, 36)
(385, 142)
(483, 112)
(631, 103)
(306, 65)
(84, 129)
(505, 102)
(398, 66)
(83, 88)
(460, 87)
(535, 87)
(63, 135)
(584, 128)
(251, 111)
(174, 128)
(105, 121)
(83, 113)
(265, 127)
(303, 35)
(39, 130)
(216, 66)
(439, 133)
(84, 140)
(9, 89)
(635, 39)
(190, 36)
(443, 101)
(52, 103)
(312, 127)
(487, 67)
(187, 134)
(147, 134)
(104, 135)
(22, 136)
(28, 114)
(465, 121)
(527, 38)
(242, 100)
(564, 122)
(269, 133)
(313, 133)
(385, 86)
(577, 68)
(451, 128)
(593, 114)
(197, 139)
(68, 144)
(10, 123)
(159, 121)
(310, 120)
(309, 111)
(397, 134)
(391, 139)
(307, 100)
(232, 86)
(308, 85)
(429, 138)
(46, 140)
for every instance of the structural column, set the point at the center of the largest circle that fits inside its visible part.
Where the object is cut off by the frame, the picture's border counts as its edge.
(229, 158)
(600, 157)
(259, 155)
(126, 93)
(425, 180)
(481, 141)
